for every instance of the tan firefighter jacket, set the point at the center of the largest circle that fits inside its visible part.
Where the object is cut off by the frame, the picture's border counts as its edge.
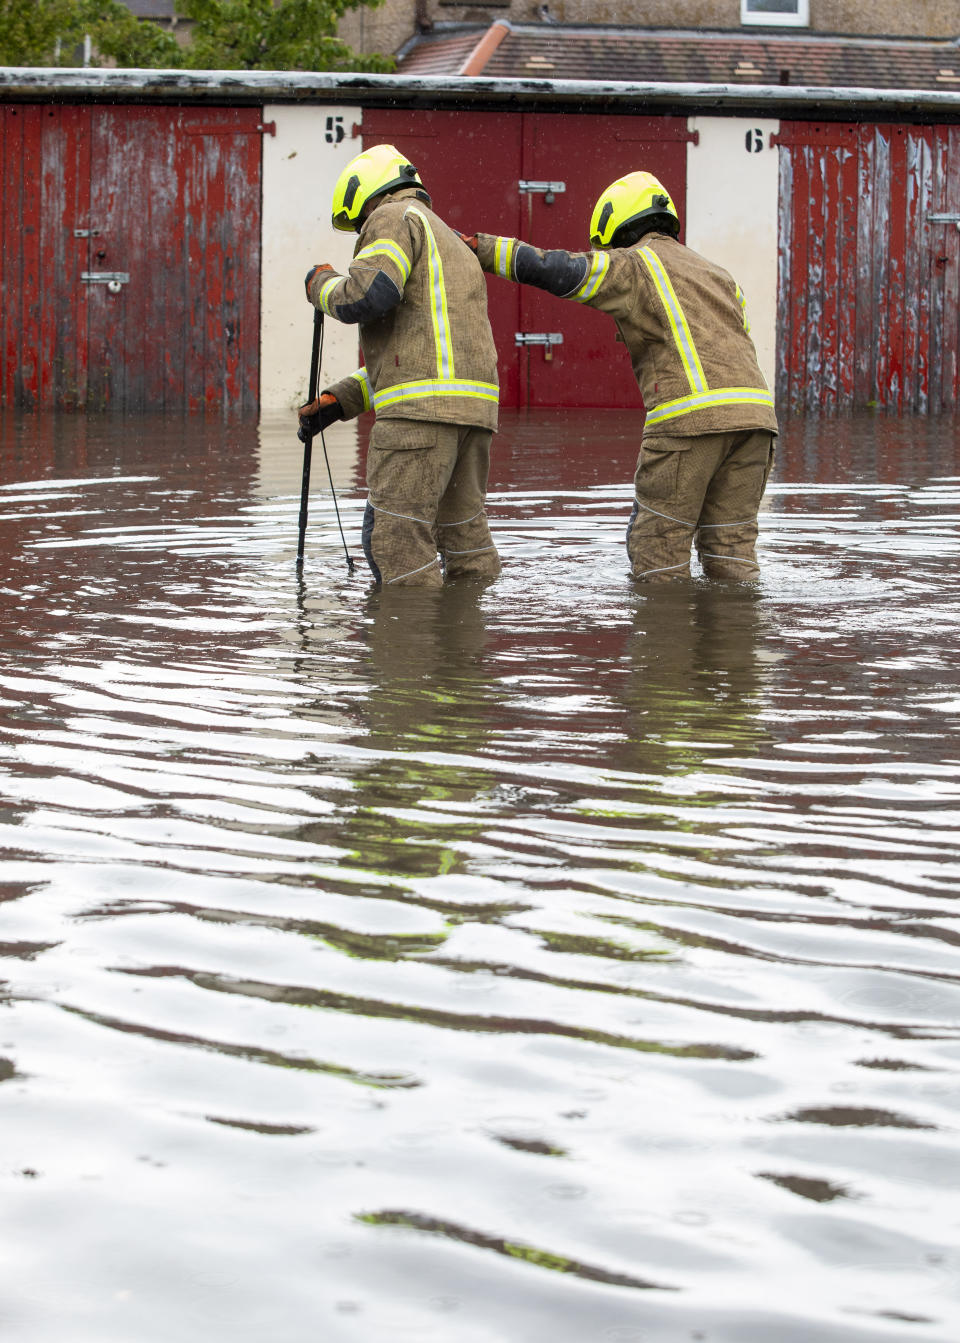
(421, 302)
(682, 318)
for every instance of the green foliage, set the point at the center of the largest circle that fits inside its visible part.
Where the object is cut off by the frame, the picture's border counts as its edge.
(118, 36)
(261, 35)
(28, 32)
(226, 35)
(52, 32)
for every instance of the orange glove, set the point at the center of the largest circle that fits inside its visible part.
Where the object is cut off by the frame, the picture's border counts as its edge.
(312, 273)
(469, 238)
(317, 414)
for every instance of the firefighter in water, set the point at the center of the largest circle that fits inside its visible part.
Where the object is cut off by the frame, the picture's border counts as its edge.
(707, 444)
(430, 374)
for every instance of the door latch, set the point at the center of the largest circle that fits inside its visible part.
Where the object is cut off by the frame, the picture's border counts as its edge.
(545, 338)
(550, 190)
(951, 217)
(113, 279)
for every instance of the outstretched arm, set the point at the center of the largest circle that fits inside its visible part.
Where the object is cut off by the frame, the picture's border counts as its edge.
(574, 275)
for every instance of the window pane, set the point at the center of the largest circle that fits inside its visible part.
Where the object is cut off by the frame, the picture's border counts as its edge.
(796, 13)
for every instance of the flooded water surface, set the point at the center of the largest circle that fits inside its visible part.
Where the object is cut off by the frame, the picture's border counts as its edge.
(558, 960)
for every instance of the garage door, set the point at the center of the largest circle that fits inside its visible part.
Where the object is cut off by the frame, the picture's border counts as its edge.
(537, 176)
(130, 258)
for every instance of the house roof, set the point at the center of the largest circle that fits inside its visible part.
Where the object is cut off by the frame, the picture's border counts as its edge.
(505, 50)
(445, 52)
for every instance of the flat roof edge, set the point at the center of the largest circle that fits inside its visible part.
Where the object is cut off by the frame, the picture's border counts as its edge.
(21, 83)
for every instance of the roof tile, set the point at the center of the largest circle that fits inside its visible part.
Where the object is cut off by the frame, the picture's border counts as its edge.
(442, 54)
(653, 56)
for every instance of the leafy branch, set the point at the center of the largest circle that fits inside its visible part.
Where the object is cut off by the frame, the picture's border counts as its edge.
(224, 35)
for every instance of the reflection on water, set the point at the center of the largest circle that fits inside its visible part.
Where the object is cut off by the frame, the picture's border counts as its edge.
(555, 959)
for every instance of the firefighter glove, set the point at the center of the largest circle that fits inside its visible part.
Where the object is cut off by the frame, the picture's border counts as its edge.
(312, 273)
(469, 238)
(317, 414)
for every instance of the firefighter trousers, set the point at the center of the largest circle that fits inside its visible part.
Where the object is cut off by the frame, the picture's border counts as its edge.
(425, 517)
(707, 491)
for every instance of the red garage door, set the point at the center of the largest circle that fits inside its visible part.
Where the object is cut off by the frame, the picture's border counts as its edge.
(130, 258)
(586, 153)
(868, 310)
(491, 171)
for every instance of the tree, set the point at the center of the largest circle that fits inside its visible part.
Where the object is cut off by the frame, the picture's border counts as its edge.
(125, 40)
(226, 35)
(28, 33)
(50, 32)
(269, 35)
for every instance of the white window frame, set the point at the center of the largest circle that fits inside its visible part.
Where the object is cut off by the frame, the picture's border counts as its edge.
(800, 18)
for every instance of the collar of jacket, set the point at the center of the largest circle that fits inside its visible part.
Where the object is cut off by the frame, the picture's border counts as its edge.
(404, 194)
(648, 238)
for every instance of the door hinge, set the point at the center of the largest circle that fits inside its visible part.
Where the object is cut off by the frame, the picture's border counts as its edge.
(950, 217)
(261, 128)
(86, 233)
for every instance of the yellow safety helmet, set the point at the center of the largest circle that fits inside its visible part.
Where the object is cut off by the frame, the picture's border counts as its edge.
(376, 169)
(628, 199)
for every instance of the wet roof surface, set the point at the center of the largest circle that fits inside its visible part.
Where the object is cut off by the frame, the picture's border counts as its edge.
(567, 52)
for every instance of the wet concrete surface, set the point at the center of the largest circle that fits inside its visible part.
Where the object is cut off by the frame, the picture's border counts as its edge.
(561, 959)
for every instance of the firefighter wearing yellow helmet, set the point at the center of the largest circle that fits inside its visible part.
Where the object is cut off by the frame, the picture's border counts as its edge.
(627, 201)
(371, 173)
(709, 430)
(429, 373)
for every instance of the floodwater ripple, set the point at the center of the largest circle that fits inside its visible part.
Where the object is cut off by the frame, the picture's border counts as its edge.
(559, 958)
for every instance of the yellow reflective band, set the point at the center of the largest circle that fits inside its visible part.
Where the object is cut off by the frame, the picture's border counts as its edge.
(410, 391)
(326, 293)
(503, 250)
(678, 320)
(743, 308)
(438, 308)
(595, 274)
(363, 378)
(723, 396)
(386, 247)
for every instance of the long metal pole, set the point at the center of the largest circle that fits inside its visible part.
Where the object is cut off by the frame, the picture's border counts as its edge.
(307, 435)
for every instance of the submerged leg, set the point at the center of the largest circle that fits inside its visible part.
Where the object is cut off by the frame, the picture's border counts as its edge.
(463, 532)
(727, 531)
(660, 529)
(406, 478)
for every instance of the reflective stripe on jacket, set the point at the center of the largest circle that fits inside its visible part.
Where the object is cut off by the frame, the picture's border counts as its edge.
(683, 320)
(420, 299)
